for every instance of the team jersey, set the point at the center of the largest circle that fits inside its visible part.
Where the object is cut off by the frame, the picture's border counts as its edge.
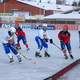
(43, 34)
(64, 36)
(20, 32)
(9, 39)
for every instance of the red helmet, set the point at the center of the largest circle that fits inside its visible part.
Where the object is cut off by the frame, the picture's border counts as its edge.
(17, 23)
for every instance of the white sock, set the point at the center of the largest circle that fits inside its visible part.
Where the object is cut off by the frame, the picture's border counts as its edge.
(45, 49)
(38, 50)
(18, 55)
(10, 55)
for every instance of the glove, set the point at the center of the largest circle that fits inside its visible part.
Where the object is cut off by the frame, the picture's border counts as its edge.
(46, 40)
(51, 41)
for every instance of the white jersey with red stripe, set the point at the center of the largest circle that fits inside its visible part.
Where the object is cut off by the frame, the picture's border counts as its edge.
(10, 39)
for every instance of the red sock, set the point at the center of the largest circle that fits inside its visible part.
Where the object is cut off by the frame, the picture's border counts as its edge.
(18, 45)
(27, 46)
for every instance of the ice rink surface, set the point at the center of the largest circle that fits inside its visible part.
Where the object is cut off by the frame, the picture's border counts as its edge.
(44, 67)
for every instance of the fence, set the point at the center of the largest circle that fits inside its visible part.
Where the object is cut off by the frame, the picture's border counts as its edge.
(34, 26)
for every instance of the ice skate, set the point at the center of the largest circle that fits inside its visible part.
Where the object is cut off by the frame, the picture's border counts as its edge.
(37, 54)
(18, 48)
(11, 60)
(28, 49)
(66, 57)
(65, 54)
(46, 54)
(71, 56)
(19, 58)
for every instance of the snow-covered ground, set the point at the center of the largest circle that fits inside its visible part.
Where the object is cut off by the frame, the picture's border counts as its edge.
(44, 67)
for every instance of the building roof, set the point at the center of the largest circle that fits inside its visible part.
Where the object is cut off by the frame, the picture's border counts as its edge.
(47, 6)
(70, 16)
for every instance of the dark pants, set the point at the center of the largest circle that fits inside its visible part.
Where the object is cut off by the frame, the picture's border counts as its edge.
(23, 38)
(63, 45)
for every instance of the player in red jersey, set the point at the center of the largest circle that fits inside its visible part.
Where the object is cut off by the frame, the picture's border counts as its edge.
(64, 37)
(21, 36)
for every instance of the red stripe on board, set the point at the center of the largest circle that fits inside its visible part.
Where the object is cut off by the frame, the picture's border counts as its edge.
(63, 71)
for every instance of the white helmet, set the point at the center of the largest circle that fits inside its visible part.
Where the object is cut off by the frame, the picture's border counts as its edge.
(12, 29)
(45, 24)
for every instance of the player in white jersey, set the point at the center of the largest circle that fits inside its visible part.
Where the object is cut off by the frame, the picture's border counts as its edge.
(41, 39)
(9, 45)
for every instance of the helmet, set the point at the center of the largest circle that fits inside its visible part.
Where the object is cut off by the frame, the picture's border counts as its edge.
(12, 29)
(44, 25)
